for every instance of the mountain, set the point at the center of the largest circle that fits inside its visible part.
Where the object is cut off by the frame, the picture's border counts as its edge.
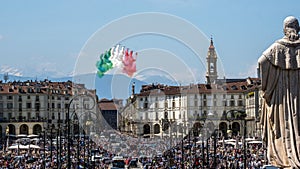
(109, 86)
(119, 85)
(12, 78)
(158, 79)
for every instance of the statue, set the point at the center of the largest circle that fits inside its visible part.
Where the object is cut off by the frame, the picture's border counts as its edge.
(280, 114)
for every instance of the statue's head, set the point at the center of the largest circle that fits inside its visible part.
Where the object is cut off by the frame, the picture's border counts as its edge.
(291, 28)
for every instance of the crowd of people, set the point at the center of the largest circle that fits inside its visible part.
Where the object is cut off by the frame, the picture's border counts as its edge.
(91, 152)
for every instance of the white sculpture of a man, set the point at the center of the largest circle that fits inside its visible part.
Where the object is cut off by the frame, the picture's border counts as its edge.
(280, 114)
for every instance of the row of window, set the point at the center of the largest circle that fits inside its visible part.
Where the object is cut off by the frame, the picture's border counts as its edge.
(10, 97)
(21, 117)
(166, 116)
(232, 103)
(37, 106)
(29, 115)
(240, 96)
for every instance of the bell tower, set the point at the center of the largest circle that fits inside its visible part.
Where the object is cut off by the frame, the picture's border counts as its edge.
(211, 59)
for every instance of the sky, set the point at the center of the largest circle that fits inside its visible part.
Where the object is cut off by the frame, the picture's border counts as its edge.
(45, 38)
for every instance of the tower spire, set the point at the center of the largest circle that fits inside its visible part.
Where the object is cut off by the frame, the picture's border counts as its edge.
(211, 43)
(211, 74)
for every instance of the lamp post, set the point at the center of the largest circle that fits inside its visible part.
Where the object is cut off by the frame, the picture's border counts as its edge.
(195, 143)
(88, 125)
(207, 149)
(48, 129)
(78, 147)
(68, 135)
(44, 149)
(83, 107)
(167, 125)
(57, 148)
(215, 149)
(202, 119)
(232, 115)
(182, 154)
(58, 142)
(86, 130)
(245, 146)
(210, 128)
(197, 129)
(7, 138)
(76, 123)
(50, 137)
(203, 156)
(43, 136)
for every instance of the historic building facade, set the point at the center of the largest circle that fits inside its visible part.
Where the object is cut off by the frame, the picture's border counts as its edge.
(33, 106)
(184, 107)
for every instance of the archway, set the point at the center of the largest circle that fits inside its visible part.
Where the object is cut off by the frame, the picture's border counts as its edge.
(24, 129)
(223, 128)
(146, 129)
(156, 129)
(37, 129)
(12, 129)
(235, 128)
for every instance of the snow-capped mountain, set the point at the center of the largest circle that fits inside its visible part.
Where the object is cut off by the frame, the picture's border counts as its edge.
(5, 69)
(109, 86)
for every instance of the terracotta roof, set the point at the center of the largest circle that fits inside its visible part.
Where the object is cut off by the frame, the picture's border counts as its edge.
(46, 87)
(106, 104)
(232, 86)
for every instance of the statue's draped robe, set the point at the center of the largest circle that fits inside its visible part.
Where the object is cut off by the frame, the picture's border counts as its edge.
(280, 113)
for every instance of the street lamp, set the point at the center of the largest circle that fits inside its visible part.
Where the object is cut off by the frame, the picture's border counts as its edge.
(202, 120)
(43, 136)
(87, 129)
(50, 137)
(82, 96)
(57, 149)
(76, 123)
(232, 115)
(44, 148)
(7, 138)
(202, 146)
(211, 132)
(48, 128)
(58, 142)
(88, 125)
(215, 148)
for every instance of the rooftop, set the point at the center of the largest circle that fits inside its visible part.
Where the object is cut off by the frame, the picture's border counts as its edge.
(43, 87)
(221, 86)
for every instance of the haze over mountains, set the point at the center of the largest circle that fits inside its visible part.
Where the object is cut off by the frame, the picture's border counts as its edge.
(109, 86)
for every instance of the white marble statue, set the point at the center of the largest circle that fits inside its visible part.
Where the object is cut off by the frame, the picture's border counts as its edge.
(280, 114)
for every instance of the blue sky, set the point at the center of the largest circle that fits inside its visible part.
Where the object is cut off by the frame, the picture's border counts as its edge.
(44, 38)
